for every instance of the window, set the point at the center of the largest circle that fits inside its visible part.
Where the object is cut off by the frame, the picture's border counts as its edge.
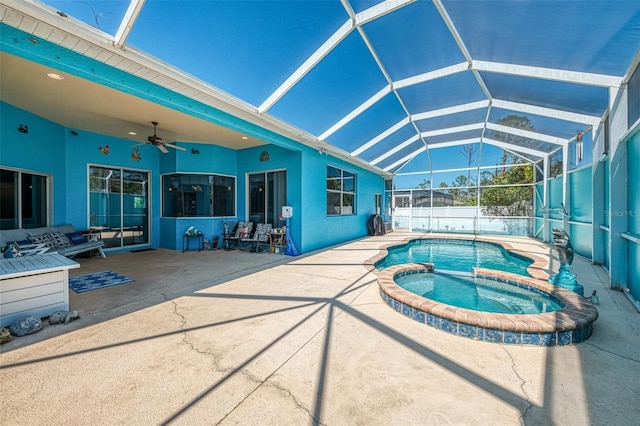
(341, 192)
(198, 195)
(23, 199)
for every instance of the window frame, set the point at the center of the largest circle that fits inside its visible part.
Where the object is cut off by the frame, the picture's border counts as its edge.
(18, 197)
(342, 189)
(210, 177)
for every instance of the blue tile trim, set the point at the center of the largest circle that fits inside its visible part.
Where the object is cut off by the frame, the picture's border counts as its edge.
(581, 334)
(568, 337)
(449, 326)
(514, 338)
(493, 336)
(548, 339)
(433, 321)
(531, 339)
(418, 315)
(480, 335)
(469, 331)
(564, 338)
(407, 311)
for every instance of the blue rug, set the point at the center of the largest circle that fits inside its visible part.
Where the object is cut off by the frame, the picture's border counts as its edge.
(88, 282)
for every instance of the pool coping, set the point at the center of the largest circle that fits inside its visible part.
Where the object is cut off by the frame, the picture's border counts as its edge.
(569, 325)
(536, 269)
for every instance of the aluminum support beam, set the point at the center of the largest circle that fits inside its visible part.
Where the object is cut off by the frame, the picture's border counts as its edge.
(590, 79)
(566, 196)
(546, 234)
(129, 19)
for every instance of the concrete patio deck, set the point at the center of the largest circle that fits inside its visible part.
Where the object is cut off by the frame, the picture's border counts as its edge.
(203, 338)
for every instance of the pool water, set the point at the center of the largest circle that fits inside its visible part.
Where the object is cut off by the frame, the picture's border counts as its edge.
(478, 294)
(456, 255)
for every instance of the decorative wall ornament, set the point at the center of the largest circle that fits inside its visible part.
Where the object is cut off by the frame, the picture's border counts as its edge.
(264, 156)
(135, 155)
(104, 150)
(195, 151)
(23, 129)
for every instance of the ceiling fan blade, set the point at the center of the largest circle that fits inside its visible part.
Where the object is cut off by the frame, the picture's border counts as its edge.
(163, 149)
(175, 147)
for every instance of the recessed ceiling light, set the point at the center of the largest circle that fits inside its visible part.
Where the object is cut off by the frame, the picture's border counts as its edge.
(132, 133)
(245, 137)
(55, 76)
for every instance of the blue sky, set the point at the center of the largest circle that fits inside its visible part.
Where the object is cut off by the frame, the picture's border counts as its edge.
(250, 48)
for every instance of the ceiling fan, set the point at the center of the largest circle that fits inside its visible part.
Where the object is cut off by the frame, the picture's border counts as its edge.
(157, 141)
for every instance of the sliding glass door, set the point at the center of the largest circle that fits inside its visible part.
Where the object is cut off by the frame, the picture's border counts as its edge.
(119, 205)
(267, 195)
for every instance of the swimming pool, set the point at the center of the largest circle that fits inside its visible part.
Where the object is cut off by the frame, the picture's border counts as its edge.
(456, 255)
(570, 324)
(477, 293)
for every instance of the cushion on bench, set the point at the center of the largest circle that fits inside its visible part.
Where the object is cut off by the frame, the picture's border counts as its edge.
(76, 238)
(63, 239)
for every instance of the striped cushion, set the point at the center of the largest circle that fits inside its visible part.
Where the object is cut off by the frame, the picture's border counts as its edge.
(45, 239)
(60, 239)
(262, 232)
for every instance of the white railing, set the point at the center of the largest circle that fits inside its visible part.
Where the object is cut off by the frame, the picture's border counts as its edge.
(460, 220)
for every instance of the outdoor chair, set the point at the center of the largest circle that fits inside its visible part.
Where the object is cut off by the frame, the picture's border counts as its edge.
(229, 240)
(241, 230)
(259, 237)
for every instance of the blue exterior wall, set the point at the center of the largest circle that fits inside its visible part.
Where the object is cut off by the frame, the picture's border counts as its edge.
(41, 150)
(279, 159)
(212, 159)
(82, 150)
(321, 230)
(65, 155)
(310, 227)
(52, 149)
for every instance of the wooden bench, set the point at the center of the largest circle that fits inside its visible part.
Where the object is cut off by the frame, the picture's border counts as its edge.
(20, 235)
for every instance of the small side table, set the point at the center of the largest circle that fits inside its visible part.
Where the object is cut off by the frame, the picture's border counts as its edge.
(277, 242)
(187, 238)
